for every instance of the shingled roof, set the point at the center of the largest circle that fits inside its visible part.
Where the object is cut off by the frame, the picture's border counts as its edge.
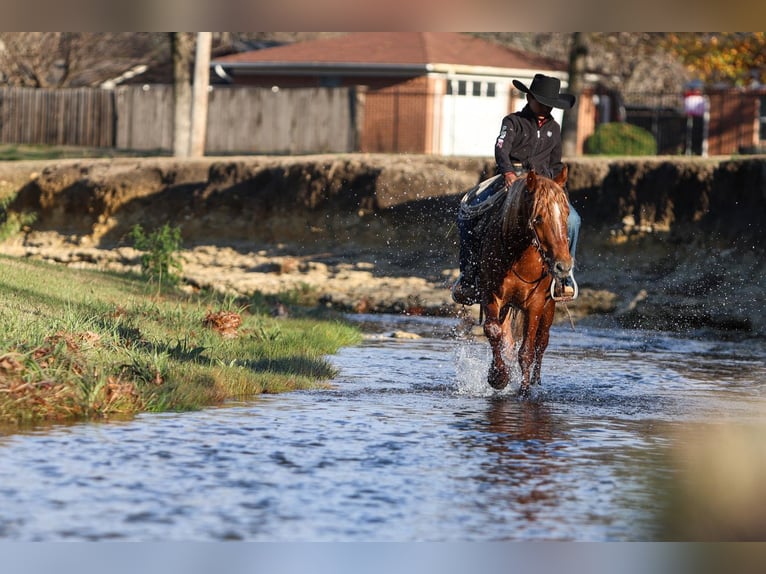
(406, 49)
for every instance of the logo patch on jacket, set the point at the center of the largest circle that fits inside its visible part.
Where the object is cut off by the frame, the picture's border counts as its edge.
(501, 137)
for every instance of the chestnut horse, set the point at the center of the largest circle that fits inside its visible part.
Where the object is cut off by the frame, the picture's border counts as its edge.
(524, 248)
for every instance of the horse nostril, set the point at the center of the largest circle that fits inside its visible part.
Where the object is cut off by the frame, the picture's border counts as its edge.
(561, 268)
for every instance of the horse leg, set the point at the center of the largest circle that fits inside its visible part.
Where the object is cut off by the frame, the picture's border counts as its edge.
(497, 330)
(527, 348)
(507, 333)
(541, 341)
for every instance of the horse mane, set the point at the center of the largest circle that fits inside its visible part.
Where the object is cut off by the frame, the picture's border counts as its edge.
(514, 212)
(518, 210)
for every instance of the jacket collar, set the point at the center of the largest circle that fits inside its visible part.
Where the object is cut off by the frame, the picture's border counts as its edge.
(526, 112)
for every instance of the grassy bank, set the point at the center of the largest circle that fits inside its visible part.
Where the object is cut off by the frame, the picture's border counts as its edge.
(78, 344)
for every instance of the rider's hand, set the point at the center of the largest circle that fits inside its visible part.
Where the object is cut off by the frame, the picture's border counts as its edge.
(510, 177)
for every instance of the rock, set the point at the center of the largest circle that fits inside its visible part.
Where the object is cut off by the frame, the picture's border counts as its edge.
(404, 335)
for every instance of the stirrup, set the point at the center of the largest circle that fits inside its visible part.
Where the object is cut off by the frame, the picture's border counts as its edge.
(563, 297)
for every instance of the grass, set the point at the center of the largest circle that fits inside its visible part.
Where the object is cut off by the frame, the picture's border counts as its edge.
(78, 345)
(19, 152)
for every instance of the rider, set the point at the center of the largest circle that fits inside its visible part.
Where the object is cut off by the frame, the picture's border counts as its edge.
(529, 139)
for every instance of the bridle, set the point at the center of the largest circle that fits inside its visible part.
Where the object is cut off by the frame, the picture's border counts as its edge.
(547, 260)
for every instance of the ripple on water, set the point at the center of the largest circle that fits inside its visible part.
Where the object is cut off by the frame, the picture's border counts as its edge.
(410, 443)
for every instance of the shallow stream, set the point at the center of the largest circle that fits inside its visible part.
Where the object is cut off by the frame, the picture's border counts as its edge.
(408, 444)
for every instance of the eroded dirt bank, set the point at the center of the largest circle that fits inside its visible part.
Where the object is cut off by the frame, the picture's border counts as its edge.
(671, 244)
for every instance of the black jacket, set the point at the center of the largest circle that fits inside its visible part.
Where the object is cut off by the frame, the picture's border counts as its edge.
(521, 141)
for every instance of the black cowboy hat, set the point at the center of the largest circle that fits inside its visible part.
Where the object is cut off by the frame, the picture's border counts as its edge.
(545, 90)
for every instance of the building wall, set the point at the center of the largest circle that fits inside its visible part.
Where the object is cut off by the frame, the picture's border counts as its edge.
(402, 115)
(435, 91)
(396, 114)
(397, 118)
(733, 123)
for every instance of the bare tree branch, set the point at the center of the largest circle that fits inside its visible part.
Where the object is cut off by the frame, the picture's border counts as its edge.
(73, 59)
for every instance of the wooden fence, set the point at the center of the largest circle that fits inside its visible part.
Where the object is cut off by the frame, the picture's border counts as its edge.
(240, 119)
(78, 117)
(244, 119)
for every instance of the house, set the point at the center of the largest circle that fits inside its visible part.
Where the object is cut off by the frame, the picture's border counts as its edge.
(417, 92)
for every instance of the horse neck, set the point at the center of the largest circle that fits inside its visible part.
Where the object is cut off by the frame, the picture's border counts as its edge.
(517, 210)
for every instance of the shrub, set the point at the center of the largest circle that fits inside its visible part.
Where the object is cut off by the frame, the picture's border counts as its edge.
(160, 259)
(11, 222)
(619, 138)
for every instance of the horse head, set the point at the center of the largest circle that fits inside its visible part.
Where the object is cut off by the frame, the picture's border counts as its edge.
(548, 220)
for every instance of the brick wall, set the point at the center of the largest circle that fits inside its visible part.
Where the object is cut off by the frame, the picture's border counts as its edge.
(397, 119)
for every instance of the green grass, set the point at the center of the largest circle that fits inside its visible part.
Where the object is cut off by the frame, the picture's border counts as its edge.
(18, 152)
(78, 344)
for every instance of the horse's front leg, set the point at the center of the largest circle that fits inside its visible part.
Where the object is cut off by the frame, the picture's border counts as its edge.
(541, 341)
(497, 331)
(527, 348)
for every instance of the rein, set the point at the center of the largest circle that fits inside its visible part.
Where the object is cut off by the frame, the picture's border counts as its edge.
(537, 245)
(544, 272)
(530, 282)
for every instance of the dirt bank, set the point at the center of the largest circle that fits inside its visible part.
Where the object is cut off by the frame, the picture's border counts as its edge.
(665, 244)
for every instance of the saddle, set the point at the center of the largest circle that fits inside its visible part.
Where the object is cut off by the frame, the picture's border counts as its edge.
(481, 198)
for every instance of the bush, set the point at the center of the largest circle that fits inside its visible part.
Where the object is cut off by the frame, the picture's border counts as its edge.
(11, 222)
(160, 259)
(619, 138)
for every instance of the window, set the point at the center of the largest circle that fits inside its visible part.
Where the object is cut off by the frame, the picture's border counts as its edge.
(476, 89)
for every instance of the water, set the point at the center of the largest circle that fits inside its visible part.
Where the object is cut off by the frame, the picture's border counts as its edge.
(409, 444)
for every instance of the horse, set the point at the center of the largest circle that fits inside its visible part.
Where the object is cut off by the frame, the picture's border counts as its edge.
(524, 248)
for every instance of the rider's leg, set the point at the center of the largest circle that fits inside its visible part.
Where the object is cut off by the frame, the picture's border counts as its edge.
(463, 290)
(566, 288)
(573, 230)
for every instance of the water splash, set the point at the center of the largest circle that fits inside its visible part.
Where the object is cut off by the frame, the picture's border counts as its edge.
(472, 359)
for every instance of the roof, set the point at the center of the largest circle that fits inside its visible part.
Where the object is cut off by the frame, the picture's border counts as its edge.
(392, 49)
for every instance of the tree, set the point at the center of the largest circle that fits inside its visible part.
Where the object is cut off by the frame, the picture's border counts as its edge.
(182, 49)
(74, 59)
(577, 55)
(731, 58)
(625, 61)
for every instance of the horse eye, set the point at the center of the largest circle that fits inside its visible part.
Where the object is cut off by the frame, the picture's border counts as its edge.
(538, 220)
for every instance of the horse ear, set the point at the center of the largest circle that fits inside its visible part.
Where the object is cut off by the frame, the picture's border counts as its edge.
(561, 178)
(531, 180)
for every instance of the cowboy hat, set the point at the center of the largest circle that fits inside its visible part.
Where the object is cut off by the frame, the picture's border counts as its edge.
(545, 90)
